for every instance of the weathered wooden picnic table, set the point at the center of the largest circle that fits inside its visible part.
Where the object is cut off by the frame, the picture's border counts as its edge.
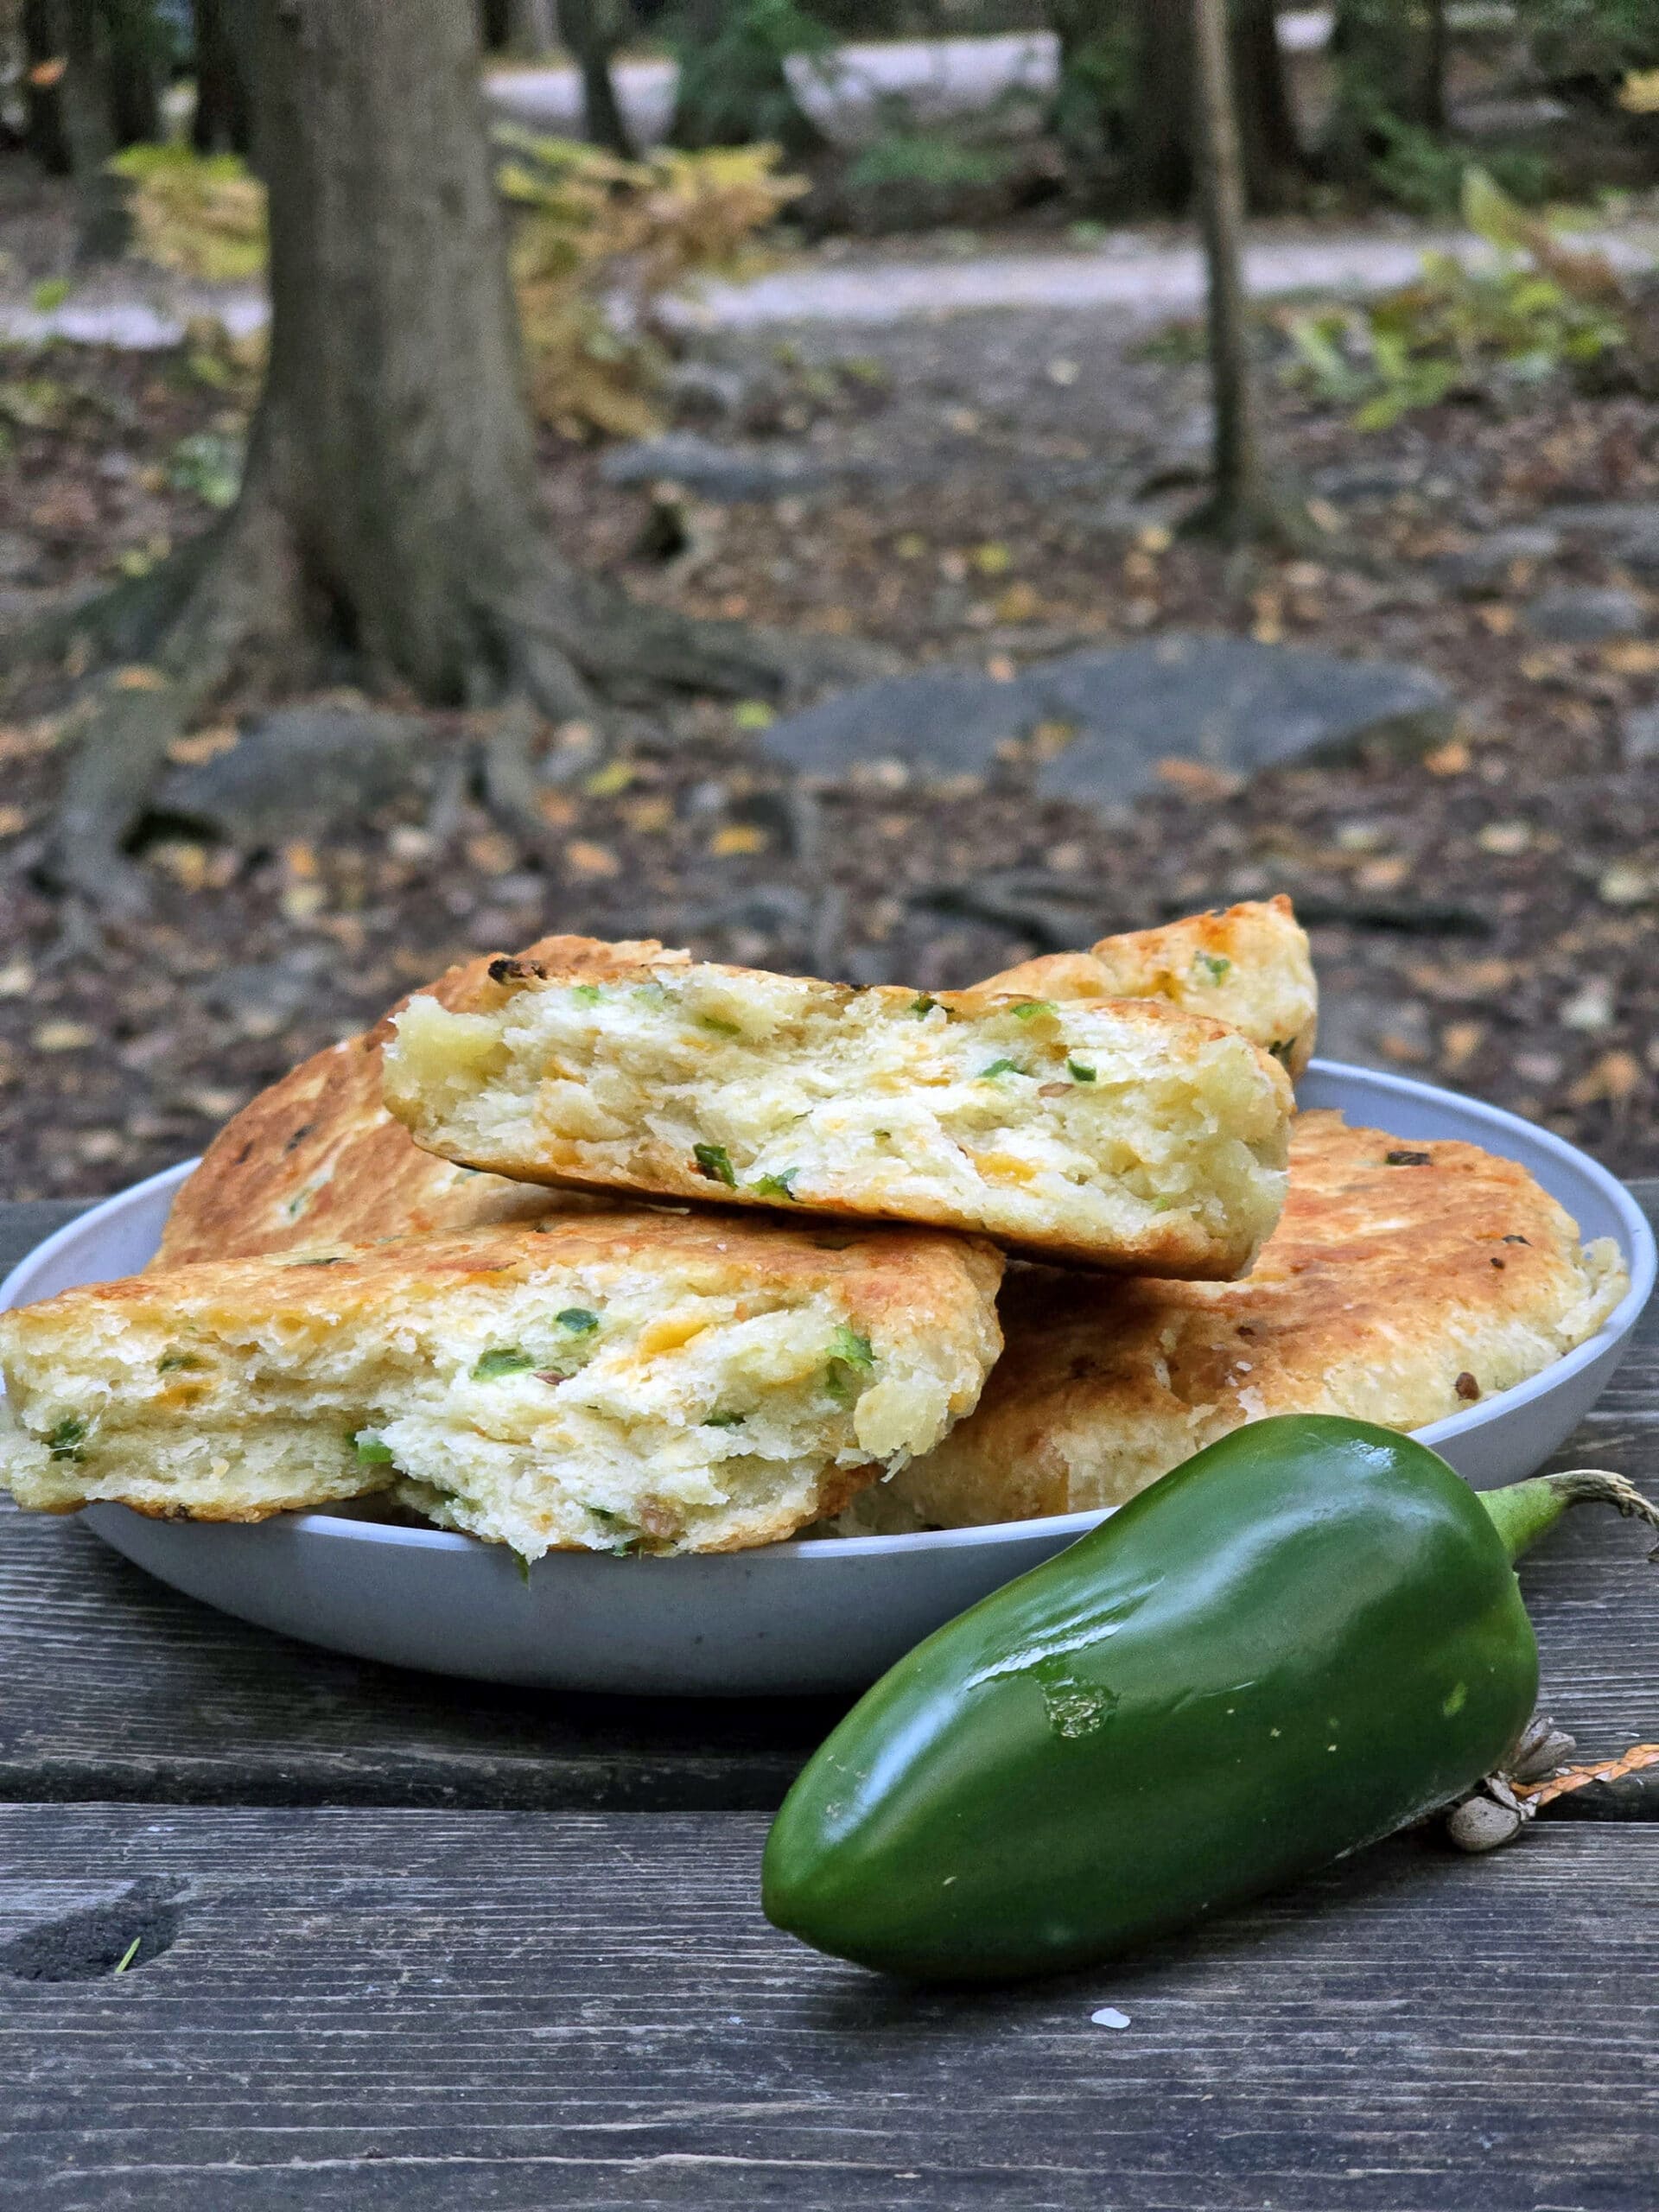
(410, 1941)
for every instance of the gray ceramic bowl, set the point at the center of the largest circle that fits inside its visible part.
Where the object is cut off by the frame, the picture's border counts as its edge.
(812, 1615)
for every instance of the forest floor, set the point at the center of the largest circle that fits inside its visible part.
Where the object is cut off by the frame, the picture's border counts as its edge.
(982, 489)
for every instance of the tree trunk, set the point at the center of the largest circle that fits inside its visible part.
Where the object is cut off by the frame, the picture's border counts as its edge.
(1126, 107)
(44, 60)
(104, 229)
(1239, 505)
(1273, 154)
(734, 87)
(389, 504)
(132, 70)
(593, 29)
(393, 407)
(1390, 57)
(223, 122)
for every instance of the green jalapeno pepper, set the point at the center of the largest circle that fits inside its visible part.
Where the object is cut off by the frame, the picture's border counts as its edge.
(1305, 1636)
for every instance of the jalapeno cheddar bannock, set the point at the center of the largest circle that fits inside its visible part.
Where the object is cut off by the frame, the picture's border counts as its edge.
(1247, 965)
(1124, 1134)
(643, 1382)
(316, 1160)
(1405, 1282)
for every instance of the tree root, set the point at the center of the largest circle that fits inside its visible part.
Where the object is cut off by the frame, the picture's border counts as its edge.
(233, 596)
(512, 791)
(236, 594)
(615, 639)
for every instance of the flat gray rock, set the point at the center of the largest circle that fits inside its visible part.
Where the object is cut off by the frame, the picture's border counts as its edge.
(1227, 701)
(725, 474)
(943, 723)
(1492, 561)
(299, 771)
(1641, 734)
(1626, 530)
(1583, 614)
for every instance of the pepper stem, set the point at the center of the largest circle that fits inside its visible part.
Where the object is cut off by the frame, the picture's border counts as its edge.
(1523, 1511)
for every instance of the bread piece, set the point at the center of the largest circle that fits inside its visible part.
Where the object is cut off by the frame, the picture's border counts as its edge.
(317, 1160)
(1248, 966)
(1405, 1282)
(649, 1381)
(1121, 1135)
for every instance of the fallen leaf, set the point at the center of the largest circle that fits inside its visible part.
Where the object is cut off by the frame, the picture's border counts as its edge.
(45, 75)
(1460, 1042)
(181, 859)
(648, 817)
(992, 559)
(139, 678)
(1631, 657)
(1385, 874)
(1624, 884)
(737, 838)
(213, 1102)
(753, 714)
(557, 808)
(303, 902)
(910, 546)
(1198, 779)
(1613, 1078)
(1001, 669)
(205, 745)
(1506, 839)
(12, 819)
(17, 979)
(1449, 760)
(584, 858)
(63, 1037)
(615, 776)
(1500, 621)
(1590, 1007)
(1020, 603)
(492, 852)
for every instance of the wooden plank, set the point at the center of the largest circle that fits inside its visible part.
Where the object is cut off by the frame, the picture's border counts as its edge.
(370, 2009)
(118, 1688)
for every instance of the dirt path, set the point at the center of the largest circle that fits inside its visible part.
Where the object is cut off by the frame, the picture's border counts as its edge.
(1139, 272)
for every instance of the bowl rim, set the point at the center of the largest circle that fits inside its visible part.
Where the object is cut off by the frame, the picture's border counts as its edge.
(1635, 1232)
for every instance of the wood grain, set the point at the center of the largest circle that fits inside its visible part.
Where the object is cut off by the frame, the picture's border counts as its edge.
(374, 2009)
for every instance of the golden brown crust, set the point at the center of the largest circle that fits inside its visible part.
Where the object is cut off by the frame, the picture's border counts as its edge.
(1401, 1279)
(1249, 965)
(316, 1160)
(898, 1274)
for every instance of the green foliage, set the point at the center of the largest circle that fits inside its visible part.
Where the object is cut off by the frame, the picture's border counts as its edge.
(208, 463)
(203, 215)
(928, 158)
(49, 294)
(1423, 174)
(1541, 309)
(599, 240)
(733, 90)
(1599, 39)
